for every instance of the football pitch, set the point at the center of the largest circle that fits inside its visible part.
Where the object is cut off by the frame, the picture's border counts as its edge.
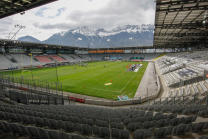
(99, 81)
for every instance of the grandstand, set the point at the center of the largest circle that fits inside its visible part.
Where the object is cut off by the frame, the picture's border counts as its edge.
(175, 106)
(26, 60)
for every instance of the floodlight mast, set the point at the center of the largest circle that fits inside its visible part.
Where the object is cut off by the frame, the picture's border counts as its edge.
(15, 26)
(10, 32)
(20, 27)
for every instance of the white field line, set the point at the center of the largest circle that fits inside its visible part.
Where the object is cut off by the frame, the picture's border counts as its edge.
(110, 75)
(96, 76)
(130, 80)
(127, 83)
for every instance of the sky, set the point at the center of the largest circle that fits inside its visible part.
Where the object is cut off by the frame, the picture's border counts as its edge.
(64, 15)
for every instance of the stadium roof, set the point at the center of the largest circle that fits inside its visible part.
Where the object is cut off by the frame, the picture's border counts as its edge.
(181, 23)
(10, 7)
(33, 45)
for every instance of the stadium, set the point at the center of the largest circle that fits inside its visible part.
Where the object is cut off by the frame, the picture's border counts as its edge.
(51, 91)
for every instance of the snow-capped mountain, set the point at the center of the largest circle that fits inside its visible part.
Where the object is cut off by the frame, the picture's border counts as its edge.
(29, 39)
(102, 32)
(119, 36)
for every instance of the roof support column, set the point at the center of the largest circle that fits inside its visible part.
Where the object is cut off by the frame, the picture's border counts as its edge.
(43, 50)
(57, 51)
(28, 50)
(6, 48)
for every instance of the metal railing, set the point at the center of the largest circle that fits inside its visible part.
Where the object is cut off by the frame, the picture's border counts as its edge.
(42, 92)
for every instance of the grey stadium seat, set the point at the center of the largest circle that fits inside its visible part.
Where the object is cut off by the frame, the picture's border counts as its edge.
(120, 126)
(181, 129)
(105, 132)
(70, 136)
(13, 117)
(62, 125)
(121, 134)
(34, 132)
(162, 132)
(148, 124)
(54, 124)
(87, 129)
(2, 127)
(25, 131)
(70, 126)
(134, 126)
(124, 134)
(117, 125)
(3, 115)
(25, 119)
(176, 121)
(199, 127)
(44, 134)
(16, 130)
(39, 121)
(64, 118)
(160, 123)
(142, 134)
(96, 131)
(54, 134)
(126, 121)
(77, 120)
(114, 133)
(79, 128)
(6, 125)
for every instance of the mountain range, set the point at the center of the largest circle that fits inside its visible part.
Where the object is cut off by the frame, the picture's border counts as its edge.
(128, 35)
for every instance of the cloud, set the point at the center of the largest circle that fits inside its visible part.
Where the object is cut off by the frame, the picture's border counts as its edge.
(6, 27)
(64, 15)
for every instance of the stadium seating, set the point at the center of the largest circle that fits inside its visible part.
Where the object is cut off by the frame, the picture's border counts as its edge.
(44, 59)
(56, 121)
(142, 121)
(57, 58)
(26, 60)
(6, 63)
(73, 57)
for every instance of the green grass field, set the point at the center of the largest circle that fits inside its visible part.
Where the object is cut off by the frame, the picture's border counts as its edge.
(93, 78)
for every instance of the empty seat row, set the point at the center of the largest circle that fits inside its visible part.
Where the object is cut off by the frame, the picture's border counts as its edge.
(203, 112)
(34, 132)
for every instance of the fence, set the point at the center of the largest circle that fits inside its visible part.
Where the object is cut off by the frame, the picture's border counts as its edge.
(32, 91)
(132, 101)
(42, 92)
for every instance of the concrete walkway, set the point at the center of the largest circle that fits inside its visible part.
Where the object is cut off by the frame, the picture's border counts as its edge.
(148, 83)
